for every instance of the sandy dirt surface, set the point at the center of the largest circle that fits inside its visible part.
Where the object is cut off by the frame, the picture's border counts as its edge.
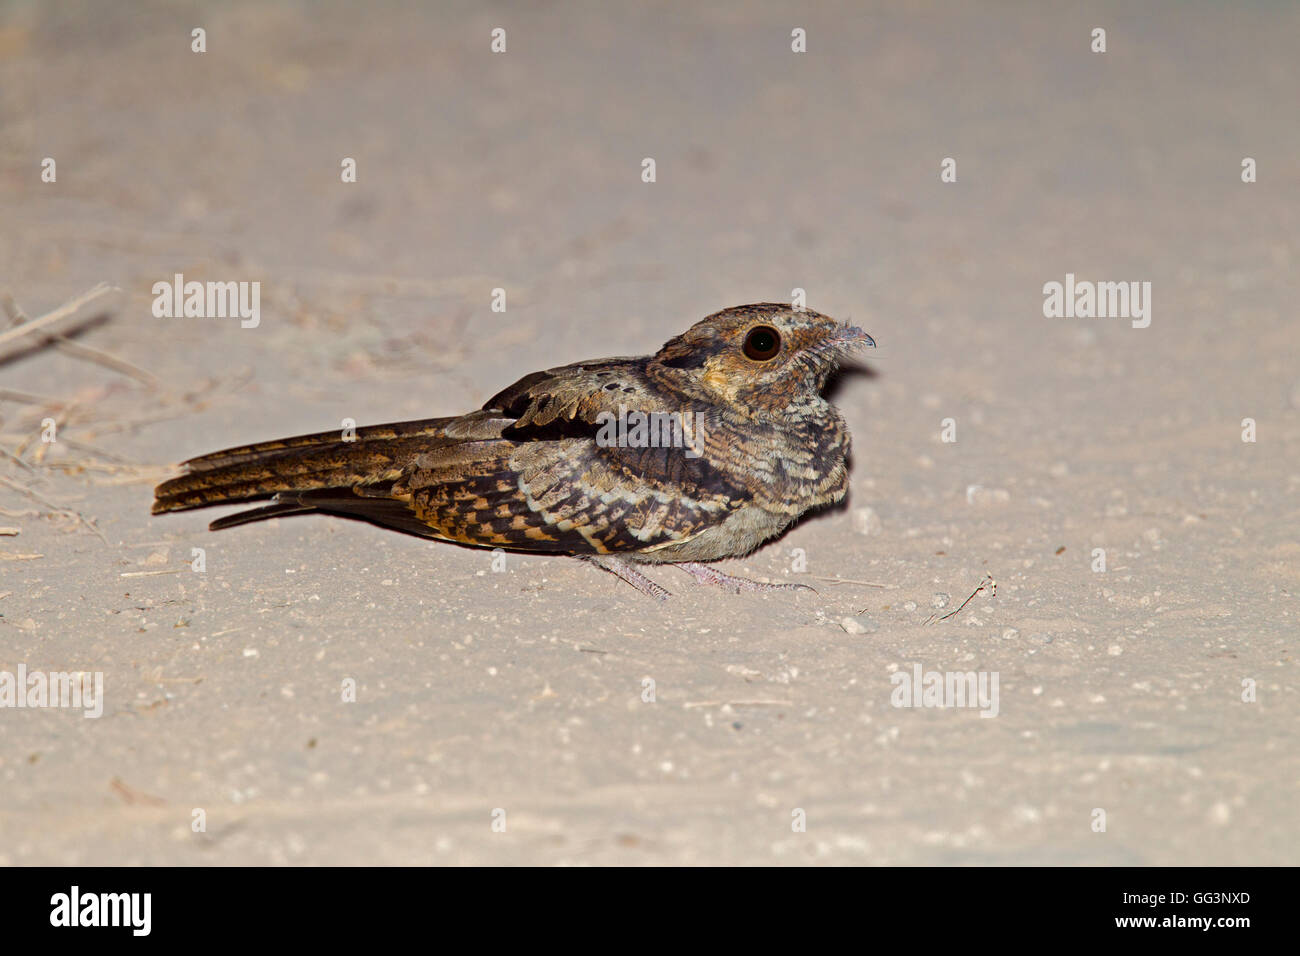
(522, 690)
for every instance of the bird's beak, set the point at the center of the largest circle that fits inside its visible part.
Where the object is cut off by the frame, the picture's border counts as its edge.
(850, 338)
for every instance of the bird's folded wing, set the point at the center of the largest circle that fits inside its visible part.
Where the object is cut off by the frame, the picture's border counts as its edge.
(545, 482)
(577, 393)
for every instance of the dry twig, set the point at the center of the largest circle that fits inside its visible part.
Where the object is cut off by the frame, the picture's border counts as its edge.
(62, 312)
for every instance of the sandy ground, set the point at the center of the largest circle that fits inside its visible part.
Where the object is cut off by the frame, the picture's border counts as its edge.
(522, 690)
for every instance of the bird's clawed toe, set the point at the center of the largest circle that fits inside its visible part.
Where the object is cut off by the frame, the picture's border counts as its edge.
(709, 575)
(630, 574)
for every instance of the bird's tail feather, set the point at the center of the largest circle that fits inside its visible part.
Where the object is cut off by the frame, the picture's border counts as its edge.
(289, 466)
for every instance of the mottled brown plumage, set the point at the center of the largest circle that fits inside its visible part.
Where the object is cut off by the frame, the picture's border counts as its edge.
(541, 467)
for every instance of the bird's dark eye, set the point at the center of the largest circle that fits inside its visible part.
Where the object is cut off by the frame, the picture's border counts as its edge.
(762, 343)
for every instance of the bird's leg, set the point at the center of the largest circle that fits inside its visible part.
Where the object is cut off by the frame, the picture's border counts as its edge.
(629, 574)
(708, 575)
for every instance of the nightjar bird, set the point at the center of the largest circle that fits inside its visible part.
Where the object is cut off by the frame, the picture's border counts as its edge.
(702, 451)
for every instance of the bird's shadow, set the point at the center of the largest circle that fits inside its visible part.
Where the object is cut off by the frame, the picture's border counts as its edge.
(844, 374)
(834, 385)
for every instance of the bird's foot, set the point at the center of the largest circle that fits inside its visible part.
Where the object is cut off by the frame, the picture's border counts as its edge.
(629, 574)
(707, 575)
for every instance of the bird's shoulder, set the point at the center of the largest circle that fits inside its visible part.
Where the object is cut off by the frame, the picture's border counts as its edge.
(580, 392)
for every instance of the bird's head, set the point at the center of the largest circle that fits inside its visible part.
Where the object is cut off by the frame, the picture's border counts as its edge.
(765, 357)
